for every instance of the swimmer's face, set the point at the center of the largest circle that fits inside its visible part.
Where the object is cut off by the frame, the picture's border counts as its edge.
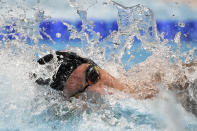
(77, 80)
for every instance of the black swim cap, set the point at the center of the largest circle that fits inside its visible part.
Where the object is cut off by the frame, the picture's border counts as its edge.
(69, 61)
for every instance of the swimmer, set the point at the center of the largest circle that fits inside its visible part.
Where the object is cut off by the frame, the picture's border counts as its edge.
(76, 75)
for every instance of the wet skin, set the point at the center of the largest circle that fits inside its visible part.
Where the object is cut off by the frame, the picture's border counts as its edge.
(77, 82)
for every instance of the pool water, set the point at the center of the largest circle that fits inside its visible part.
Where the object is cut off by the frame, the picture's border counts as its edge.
(133, 40)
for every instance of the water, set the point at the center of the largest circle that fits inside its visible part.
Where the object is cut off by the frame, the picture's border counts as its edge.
(135, 51)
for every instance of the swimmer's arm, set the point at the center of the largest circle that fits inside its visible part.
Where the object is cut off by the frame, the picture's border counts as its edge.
(108, 80)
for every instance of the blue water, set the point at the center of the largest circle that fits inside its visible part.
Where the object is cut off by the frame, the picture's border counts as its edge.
(53, 26)
(168, 27)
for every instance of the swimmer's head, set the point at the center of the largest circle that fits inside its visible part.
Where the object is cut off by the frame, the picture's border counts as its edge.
(82, 77)
(74, 73)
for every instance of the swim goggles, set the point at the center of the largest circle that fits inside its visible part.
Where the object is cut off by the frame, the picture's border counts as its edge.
(92, 76)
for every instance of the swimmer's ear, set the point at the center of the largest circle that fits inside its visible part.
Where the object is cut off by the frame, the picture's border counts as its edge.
(45, 59)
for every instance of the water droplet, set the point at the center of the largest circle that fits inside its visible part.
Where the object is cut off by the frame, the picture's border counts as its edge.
(185, 35)
(58, 35)
(181, 24)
